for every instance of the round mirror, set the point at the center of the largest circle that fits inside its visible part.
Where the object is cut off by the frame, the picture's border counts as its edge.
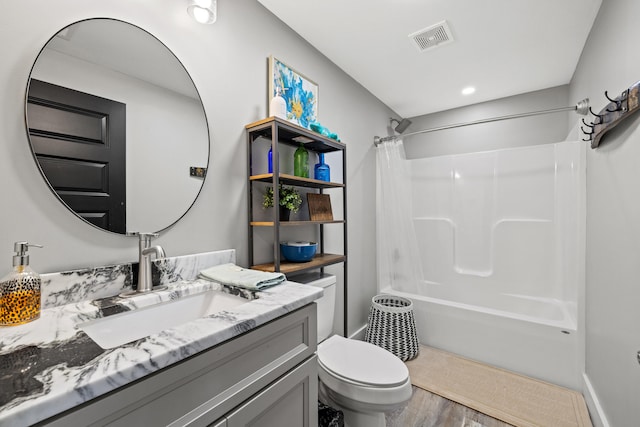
(116, 126)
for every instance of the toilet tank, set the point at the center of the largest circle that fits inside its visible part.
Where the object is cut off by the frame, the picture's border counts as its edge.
(326, 304)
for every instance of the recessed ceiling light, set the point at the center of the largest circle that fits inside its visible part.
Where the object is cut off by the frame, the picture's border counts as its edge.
(468, 90)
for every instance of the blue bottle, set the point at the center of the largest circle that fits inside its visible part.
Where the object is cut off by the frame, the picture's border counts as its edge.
(321, 171)
(270, 160)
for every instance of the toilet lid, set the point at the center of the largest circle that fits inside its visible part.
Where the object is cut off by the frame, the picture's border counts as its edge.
(362, 362)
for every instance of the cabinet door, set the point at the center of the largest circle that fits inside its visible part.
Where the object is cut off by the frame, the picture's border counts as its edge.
(290, 401)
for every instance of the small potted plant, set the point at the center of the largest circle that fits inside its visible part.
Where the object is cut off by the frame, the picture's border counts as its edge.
(290, 200)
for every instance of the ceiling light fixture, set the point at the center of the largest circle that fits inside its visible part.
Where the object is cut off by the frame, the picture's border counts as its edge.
(468, 90)
(203, 11)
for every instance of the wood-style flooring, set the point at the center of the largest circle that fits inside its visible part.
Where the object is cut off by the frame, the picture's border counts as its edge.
(426, 409)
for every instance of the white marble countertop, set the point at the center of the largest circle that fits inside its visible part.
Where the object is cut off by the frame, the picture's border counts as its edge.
(50, 365)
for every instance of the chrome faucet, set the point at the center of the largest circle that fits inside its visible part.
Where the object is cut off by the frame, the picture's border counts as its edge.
(144, 261)
(145, 284)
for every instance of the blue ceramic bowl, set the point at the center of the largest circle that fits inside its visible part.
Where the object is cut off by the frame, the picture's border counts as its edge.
(298, 251)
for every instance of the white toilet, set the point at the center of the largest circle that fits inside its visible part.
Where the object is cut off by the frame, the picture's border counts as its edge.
(361, 379)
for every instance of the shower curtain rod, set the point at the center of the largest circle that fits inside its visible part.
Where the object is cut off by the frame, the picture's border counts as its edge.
(581, 107)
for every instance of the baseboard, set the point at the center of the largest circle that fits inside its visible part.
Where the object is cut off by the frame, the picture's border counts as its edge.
(598, 417)
(359, 334)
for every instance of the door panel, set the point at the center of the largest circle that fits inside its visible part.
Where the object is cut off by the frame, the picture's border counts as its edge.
(82, 125)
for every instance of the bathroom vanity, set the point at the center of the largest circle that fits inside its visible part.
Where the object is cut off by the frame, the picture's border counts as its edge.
(252, 363)
(267, 376)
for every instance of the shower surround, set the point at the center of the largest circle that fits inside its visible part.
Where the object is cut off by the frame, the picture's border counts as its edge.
(500, 237)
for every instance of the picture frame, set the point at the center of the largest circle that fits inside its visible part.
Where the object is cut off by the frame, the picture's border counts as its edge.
(299, 92)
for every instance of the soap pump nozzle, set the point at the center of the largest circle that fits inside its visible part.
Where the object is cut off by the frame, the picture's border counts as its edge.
(21, 248)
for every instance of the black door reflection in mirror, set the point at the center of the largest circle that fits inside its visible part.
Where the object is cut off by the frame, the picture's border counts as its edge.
(79, 141)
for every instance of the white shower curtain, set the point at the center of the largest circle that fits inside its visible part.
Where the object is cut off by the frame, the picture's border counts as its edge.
(397, 248)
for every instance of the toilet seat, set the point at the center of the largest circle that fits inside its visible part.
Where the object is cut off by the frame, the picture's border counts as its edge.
(361, 375)
(361, 363)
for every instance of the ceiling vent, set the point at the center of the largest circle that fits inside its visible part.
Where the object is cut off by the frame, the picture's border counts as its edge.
(433, 36)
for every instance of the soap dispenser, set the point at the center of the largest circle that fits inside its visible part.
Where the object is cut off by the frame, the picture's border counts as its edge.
(278, 106)
(20, 290)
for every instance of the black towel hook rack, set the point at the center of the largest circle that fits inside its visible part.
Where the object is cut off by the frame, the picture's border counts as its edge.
(616, 110)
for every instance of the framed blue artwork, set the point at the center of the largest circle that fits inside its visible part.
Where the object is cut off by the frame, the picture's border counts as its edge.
(300, 93)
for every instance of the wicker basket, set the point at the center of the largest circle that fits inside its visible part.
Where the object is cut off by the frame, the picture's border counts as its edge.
(392, 326)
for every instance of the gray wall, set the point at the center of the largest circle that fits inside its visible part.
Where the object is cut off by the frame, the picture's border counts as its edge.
(609, 62)
(228, 63)
(543, 129)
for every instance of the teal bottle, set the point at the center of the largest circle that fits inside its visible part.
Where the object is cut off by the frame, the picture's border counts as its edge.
(321, 171)
(301, 162)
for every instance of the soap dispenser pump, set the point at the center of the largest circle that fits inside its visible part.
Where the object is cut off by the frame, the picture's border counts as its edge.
(20, 290)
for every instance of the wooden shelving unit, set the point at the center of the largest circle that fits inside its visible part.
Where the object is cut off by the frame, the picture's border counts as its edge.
(279, 132)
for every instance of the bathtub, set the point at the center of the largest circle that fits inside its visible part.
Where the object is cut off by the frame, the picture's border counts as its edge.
(530, 336)
(499, 242)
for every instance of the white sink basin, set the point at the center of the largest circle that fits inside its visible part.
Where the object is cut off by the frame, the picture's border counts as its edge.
(114, 331)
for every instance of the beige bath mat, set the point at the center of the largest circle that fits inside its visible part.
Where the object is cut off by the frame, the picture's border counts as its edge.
(509, 397)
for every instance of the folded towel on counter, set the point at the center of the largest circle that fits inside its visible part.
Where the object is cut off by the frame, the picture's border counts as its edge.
(231, 274)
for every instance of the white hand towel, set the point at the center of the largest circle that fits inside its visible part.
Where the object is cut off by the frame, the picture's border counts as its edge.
(233, 275)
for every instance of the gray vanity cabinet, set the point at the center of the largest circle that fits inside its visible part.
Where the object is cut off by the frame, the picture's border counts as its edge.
(266, 376)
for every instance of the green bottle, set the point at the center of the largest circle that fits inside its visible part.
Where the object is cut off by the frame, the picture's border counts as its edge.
(301, 162)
